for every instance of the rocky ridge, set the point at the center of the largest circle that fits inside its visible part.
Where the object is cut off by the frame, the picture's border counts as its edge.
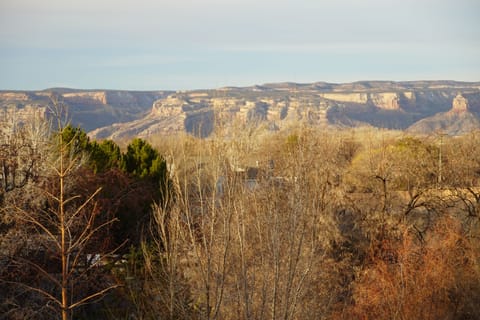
(88, 109)
(460, 119)
(386, 104)
(391, 105)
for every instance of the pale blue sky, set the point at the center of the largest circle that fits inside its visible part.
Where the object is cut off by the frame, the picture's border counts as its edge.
(187, 44)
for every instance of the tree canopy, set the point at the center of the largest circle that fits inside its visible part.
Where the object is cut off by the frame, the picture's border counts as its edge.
(143, 161)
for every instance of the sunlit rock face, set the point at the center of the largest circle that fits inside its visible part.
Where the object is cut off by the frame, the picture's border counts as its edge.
(280, 106)
(460, 104)
(460, 119)
(122, 114)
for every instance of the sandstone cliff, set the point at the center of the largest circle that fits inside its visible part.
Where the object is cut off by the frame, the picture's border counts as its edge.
(460, 104)
(387, 104)
(381, 100)
(89, 109)
(458, 120)
(279, 106)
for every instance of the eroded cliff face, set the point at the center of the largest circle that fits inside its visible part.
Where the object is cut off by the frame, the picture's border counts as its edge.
(382, 100)
(86, 98)
(280, 106)
(20, 107)
(88, 109)
(120, 99)
(200, 114)
(459, 104)
(346, 97)
(386, 100)
(126, 114)
(167, 107)
(20, 115)
(460, 119)
(14, 96)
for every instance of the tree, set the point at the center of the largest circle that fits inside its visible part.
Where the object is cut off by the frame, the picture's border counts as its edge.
(75, 140)
(104, 156)
(63, 230)
(21, 144)
(143, 161)
(24, 140)
(436, 278)
(246, 249)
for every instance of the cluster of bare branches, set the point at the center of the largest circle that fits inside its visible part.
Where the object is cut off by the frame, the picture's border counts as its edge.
(317, 225)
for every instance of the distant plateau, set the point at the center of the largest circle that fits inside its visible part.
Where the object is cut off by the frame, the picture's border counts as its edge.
(419, 107)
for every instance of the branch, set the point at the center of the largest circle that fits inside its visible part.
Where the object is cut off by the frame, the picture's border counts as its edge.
(52, 196)
(84, 204)
(90, 297)
(31, 219)
(46, 294)
(85, 236)
(90, 267)
(41, 270)
(65, 201)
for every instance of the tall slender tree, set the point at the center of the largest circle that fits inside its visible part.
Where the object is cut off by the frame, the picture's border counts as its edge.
(65, 229)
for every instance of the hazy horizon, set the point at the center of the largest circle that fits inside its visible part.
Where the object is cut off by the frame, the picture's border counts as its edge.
(231, 86)
(187, 44)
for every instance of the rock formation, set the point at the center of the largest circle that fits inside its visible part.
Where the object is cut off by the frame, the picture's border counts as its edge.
(89, 109)
(460, 104)
(458, 120)
(386, 100)
(346, 97)
(125, 114)
(381, 100)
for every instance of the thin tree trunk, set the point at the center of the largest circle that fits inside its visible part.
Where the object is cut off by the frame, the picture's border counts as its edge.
(62, 233)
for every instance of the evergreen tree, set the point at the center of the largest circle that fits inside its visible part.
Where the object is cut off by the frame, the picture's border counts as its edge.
(75, 139)
(142, 161)
(104, 155)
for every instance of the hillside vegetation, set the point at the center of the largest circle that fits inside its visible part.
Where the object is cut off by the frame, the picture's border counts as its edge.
(304, 223)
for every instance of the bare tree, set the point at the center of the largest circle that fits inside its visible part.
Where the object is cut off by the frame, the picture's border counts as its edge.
(246, 243)
(64, 230)
(22, 138)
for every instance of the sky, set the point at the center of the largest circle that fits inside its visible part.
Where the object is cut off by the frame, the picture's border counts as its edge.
(200, 44)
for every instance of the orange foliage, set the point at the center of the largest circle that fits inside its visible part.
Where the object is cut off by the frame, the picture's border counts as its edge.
(438, 278)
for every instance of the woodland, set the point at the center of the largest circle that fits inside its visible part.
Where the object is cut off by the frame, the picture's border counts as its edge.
(303, 223)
